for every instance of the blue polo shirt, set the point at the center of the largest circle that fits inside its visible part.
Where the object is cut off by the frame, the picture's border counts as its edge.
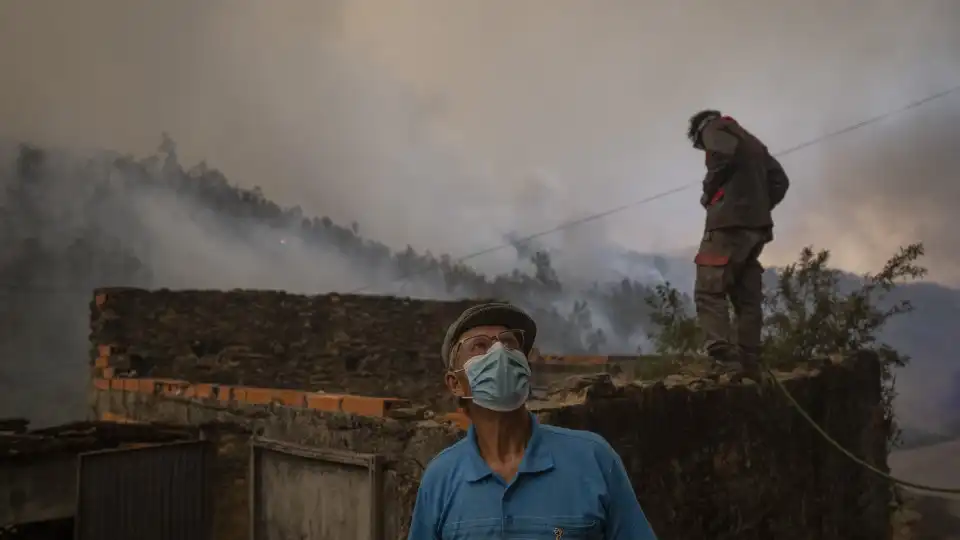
(571, 485)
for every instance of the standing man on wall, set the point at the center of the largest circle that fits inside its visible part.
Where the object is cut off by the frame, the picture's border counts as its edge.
(512, 477)
(743, 184)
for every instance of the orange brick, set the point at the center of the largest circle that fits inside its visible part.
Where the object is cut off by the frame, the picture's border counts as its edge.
(370, 406)
(254, 396)
(102, 362)
(100, 299)
(225, 394)
(203, 391)
(146, 386)
(104, 350)
(168, 387)
(108, 372)
(116, 384)
(130, 385)
(101, 384)
(324, 402)
(173, 388)
(292, 398)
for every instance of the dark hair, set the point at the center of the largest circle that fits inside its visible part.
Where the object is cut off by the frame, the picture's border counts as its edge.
(693, 130)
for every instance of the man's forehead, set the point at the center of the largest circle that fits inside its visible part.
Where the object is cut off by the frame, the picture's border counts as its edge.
(488, 330)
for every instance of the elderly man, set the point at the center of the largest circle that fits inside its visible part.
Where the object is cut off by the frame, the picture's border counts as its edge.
(512, 477)
(742, 186)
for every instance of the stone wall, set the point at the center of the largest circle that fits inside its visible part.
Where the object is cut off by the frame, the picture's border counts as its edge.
(365, 345)
(708, 459)
(348, 344)
(732, 461)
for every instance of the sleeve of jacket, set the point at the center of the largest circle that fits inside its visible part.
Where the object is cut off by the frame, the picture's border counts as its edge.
(423, 523)
(777, 181)
(625, 518)
(721, 147)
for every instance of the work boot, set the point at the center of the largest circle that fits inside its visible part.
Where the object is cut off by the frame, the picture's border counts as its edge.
(725, 360)
(750, 359)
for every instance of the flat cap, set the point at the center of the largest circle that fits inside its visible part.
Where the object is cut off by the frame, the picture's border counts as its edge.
(492, 314)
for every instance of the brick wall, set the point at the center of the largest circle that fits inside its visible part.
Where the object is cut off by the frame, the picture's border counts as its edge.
(707, 459)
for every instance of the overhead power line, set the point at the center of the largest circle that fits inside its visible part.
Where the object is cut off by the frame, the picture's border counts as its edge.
(666, 193)
(597, 216)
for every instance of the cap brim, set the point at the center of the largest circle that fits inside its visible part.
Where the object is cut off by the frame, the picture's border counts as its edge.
(506, 315)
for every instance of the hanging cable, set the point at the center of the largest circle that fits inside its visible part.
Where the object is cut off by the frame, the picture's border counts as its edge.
(662, 194)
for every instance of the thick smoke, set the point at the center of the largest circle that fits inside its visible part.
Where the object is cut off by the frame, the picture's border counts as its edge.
(893, 185)
(459, 130)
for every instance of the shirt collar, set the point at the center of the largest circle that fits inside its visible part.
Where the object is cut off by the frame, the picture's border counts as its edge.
(536, 458)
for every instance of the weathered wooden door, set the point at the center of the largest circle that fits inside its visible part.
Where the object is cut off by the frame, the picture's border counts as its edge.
(300, 492)
(152, 492)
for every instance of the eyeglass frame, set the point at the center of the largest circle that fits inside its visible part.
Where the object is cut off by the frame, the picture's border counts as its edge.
(519, 333)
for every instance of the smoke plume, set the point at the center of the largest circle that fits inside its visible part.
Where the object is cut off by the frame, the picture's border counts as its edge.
(452, 126)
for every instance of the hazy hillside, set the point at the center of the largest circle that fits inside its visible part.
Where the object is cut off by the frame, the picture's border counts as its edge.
(72, 222)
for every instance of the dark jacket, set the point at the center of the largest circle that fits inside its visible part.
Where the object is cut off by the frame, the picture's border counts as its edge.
(743, 182)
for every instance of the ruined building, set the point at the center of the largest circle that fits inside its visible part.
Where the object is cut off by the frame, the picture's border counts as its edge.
(315, 415)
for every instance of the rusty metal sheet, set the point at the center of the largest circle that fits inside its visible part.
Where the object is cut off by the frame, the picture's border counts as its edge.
(155, 492)
(317, 493)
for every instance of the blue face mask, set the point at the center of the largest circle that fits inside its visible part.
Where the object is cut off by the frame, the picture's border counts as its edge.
(499, 380)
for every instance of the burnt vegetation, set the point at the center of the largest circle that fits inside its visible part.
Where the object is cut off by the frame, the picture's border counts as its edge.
(60, 221)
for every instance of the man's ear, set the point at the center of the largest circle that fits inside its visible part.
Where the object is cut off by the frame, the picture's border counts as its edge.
(457, 384)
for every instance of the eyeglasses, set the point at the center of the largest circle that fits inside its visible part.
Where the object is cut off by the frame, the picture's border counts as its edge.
(480, 344)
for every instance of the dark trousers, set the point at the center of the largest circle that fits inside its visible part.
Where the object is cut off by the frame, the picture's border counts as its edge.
(729, 272)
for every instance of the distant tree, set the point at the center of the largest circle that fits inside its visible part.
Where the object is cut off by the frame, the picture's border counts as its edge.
(674, 325)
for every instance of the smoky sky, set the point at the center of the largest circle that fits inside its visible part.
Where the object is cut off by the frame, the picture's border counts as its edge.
(377, 112)
(447, 125)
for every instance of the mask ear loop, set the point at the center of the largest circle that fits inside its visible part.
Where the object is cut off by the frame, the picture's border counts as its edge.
(463, 384)
(462, 381)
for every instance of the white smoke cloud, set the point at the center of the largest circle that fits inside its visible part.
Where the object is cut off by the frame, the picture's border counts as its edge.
(447, 125)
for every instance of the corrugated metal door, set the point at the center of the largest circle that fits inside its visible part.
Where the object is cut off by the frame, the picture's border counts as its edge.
(302, 492)
(155, 492)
